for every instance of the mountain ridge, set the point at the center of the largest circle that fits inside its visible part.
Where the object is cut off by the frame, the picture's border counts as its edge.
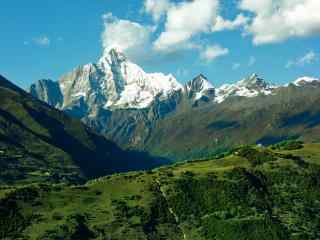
(41, 143)
(121, 84)
(163, 126)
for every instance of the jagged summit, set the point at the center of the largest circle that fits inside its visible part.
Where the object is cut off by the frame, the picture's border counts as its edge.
(199, 87)
(113, 56)
(47, 90)
(113, 82)
(251, 86)
(305, 80)
(199, 83)
(254, 82)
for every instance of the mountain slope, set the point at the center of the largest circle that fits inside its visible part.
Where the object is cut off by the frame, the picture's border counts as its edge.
(291, 112)
(178, 122)
(181, 128)
(250, 193)
(39, 142)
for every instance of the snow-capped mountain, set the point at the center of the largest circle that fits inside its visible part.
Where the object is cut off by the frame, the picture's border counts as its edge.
(133, 108)
(115, 82)
(305, 80)
(199, 87)
(112, 83)
(130, 86)
(248, 87)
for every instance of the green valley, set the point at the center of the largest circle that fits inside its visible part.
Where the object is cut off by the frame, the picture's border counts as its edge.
(248, 193)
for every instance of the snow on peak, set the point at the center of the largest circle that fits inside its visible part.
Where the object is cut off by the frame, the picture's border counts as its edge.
(199, 86)
(248, 87)
(253, 82)
(112, 49)
(116, 82)
(305, 80)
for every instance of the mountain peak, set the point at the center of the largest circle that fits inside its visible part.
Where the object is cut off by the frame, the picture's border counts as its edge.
(305, 80)
(254, 76)
(199, 83)
(113, 56)
(251, 86)
(114, 49)
(254, 82)
(48, 91)
(117, 52)
(199, 87)
(113, 83)
(201, 76)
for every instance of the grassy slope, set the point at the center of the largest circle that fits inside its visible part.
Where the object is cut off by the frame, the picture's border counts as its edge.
(39, 143)
(254, 193)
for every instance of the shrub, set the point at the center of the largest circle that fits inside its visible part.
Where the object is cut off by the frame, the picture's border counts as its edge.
(288, 145)
(57, 216)
(254, 156)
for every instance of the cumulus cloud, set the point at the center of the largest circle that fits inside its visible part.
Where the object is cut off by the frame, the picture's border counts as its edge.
(42, 40)
(156, 8)
(212, 52)
(221, 24)
(184, 21)
(125, 35)
(276, 21)
(309, 58)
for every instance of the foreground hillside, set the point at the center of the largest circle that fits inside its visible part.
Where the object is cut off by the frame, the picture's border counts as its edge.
(39, 143)
(249, 193)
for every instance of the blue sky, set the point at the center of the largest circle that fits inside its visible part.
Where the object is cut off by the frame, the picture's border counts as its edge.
(45, 39)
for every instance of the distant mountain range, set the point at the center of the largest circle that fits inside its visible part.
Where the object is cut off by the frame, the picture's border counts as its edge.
(156, 113)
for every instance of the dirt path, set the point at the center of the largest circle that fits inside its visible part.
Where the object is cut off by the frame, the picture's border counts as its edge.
(170, 209)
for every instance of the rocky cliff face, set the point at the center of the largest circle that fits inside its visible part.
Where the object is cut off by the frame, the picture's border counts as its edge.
(48, 91)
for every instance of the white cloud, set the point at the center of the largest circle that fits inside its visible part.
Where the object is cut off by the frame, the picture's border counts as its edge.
(212, 52)
(125, 35)
(42, 41)
(252, 61)
(309, 58)
(276, 21)
(157, 8)
(184, 21)
(221, 24)
(290, 64)
(236, 66)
